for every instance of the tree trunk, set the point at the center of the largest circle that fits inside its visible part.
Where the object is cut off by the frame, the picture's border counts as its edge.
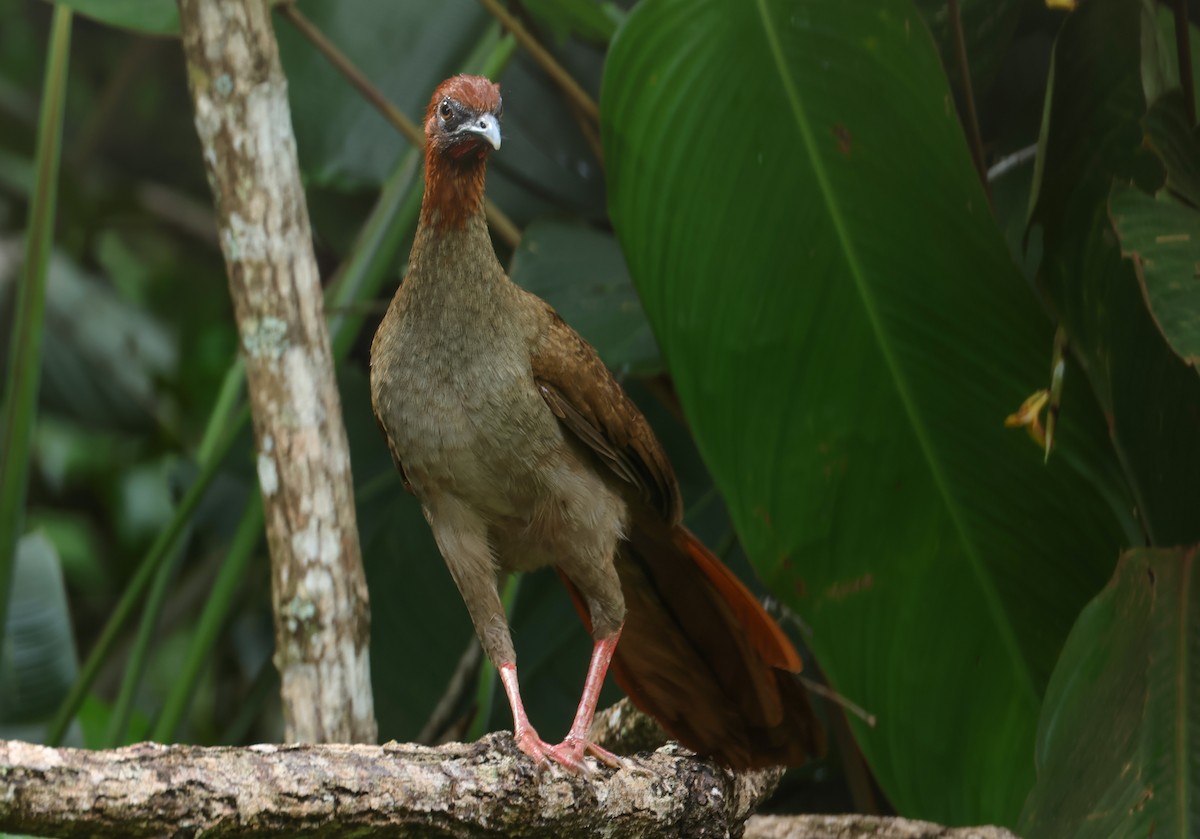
(319, 590)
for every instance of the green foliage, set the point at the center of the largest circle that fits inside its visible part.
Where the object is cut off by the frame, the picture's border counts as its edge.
(1121, 724)
(914, 302)
(26, 336)
(405, 48)
(1158, 236)
(1159, 233)
(988, 30)
(584, 269)
(37, 661)
(1093, 135)
(592, 20)
(838, 305)
(153, 17)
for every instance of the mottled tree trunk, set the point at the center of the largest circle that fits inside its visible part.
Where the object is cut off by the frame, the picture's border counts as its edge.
(318, 588)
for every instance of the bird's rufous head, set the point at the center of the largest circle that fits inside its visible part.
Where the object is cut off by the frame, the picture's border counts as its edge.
(463, 117)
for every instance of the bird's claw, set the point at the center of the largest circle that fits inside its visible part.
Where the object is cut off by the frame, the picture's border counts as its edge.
(571, 751)
(538, 750)
(569, 754)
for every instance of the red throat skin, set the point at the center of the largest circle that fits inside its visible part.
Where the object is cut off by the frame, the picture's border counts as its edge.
(454, 183)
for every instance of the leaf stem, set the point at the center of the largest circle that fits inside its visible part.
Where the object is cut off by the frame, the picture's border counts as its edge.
(545, 60)
(25, 345)
(352, 74)
(1183, 48)
(971, 119)
(500, 223)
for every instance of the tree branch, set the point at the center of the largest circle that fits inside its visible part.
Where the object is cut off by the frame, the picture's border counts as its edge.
(483, 789)
(319, 591)
(861, 827)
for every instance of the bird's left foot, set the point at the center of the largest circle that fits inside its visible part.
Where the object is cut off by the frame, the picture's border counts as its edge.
(571, 752)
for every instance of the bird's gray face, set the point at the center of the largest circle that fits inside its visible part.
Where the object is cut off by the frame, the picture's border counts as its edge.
(464, 129)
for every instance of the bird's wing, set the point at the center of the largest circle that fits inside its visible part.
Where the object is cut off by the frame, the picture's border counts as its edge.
(586, 398)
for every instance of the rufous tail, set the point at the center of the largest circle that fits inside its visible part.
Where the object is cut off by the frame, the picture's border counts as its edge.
(699, 654)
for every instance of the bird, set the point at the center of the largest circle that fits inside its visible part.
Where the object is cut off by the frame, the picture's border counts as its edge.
(525, 452)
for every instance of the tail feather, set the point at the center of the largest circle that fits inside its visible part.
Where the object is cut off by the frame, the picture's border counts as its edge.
(701, 655)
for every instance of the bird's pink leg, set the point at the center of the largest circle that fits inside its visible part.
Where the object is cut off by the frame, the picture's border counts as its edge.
(571, 750)
(527, 739)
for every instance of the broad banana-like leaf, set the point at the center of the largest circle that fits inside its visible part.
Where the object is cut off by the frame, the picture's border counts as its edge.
(847, 331)
(1120, 730)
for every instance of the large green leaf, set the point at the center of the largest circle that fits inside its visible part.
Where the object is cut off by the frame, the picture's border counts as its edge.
(1160, 56)
(1177, 144)
(847, 331)
(153, 17)
(406, 49)
(1120, 730)
(1092, 135)
(1162, 237)
(593, 20)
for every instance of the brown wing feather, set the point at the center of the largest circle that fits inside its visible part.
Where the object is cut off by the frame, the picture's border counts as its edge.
(586, 398)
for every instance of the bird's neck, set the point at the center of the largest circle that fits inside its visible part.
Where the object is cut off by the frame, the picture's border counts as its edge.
(453, 190)
(452, 252)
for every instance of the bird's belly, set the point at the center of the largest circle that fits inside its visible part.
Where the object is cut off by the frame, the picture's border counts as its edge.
(476, 430)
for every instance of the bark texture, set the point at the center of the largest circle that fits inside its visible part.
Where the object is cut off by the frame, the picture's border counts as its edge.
(860, 827)
(484, 789)
(318, 587)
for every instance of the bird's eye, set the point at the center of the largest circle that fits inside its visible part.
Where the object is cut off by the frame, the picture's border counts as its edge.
(445, 110)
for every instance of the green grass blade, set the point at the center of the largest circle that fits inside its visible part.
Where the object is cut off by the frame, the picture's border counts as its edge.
(372, 259)
(24, 373)
(159, 551)
(117, 733)
(495, 63)
(216, 609)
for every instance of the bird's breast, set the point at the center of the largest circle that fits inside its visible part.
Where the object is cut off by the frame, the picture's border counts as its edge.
(463, 413)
